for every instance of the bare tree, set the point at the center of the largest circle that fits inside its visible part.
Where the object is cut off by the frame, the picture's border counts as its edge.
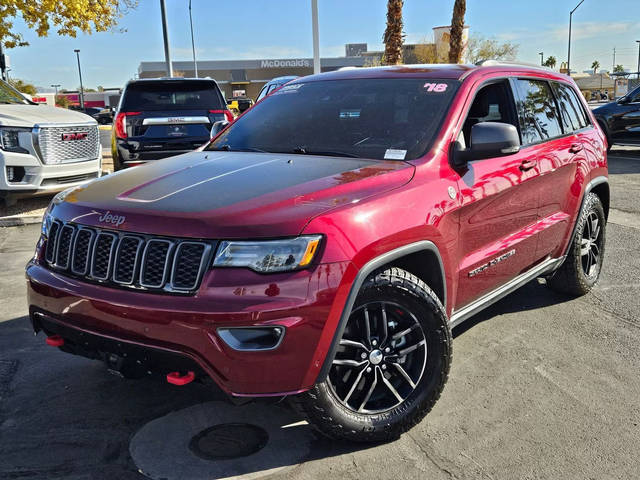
(457, 28)
(393, 33)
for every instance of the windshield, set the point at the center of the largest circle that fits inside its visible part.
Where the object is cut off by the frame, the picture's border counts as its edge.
(172, 95)
(9, 95)
(394, 118)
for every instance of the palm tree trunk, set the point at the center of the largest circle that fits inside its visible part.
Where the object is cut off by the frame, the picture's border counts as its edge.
(393, 33)
(457, 27)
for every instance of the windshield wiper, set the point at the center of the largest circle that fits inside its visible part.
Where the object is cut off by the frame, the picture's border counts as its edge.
(227, 148)
(328, 153)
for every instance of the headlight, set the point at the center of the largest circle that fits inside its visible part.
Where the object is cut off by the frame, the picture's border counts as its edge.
(10, 139)
(268, 255)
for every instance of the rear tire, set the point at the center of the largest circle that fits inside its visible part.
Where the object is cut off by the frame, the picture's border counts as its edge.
(391, 365)
(581, 269)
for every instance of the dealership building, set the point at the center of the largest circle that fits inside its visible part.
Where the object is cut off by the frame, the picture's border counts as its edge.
(237, 77)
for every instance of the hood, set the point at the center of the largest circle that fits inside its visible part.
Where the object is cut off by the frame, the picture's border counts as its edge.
(229, 194)
(29, 115)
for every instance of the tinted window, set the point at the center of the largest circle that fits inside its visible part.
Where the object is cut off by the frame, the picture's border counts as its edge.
(492, 103)
(172, 95)
(393, 118)
(635, 95)
(571, 111)
(538, 114)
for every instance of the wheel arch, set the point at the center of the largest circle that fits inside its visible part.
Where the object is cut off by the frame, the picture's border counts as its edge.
(600, 186)
(421, 258)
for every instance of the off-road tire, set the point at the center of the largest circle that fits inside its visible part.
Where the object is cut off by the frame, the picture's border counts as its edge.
(571, 278)
(329, 416)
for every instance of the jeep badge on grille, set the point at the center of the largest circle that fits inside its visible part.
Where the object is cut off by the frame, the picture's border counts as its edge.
(108, 217)
(71, 136)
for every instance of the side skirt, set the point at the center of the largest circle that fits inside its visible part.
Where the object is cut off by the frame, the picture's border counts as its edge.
(483, 302)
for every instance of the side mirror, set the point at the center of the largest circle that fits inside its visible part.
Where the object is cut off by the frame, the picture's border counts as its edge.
(217, 127)
(623, 100)
(488, 140)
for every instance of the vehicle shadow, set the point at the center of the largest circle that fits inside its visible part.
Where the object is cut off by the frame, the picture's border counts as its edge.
(67, 417)
(531, 296)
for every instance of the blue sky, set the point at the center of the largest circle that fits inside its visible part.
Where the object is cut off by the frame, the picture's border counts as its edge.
(282, 29)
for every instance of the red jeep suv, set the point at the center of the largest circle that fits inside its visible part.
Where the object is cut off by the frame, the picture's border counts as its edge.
(324, 245)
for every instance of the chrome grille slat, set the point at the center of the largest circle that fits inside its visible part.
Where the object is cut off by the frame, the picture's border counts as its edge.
(155, 261)
(54, 230)
(102, 255)
(53, 150)
(127, 260)
(64, 246)
(188, 263)
(81, 251)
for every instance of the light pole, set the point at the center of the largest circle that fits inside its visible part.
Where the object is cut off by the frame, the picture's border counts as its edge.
(541, 58)
(55, 95)
(569, 51)
(193, 45)
(80, 75)
(316, 42)
(165, 35)
(638, 71)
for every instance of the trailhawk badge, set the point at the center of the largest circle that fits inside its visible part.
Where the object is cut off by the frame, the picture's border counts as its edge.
(116, 220)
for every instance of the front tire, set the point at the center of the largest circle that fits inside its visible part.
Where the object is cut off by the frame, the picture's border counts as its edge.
(581, 269)
(391, 365)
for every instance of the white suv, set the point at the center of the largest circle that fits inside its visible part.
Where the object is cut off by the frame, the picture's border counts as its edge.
(44, 149)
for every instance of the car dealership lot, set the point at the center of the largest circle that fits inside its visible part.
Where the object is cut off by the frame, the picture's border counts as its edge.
(542, 386)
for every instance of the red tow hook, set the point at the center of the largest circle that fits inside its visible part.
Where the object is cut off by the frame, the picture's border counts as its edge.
(55, 341)
(176, 378)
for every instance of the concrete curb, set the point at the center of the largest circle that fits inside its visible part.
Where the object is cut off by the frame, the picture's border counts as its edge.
(18, 220)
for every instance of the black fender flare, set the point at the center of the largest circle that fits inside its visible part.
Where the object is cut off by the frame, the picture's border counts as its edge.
(590, 186)
(365, 271)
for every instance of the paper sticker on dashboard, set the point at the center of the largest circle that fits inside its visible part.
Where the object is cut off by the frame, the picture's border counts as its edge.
(393, 154)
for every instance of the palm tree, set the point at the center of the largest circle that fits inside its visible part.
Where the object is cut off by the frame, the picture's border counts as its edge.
(550, 62)
(595, 65)
(457, 27)
(618, 69)
(393, 33)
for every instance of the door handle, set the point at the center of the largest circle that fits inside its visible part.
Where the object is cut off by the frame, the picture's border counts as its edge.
(575, 147)
(528, 164)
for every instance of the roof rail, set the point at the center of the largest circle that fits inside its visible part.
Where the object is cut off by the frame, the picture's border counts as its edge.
(497, 63)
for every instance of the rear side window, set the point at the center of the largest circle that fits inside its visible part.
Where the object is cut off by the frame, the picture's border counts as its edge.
(571, 111)
(537, 111)
(172, 95)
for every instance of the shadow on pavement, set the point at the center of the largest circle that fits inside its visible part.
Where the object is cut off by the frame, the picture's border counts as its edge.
(531, 296)
(63, 416)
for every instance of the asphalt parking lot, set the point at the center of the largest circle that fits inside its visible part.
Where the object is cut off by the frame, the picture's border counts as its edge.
(542, 386)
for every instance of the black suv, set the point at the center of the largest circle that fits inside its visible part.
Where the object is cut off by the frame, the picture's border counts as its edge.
(620, 120)
(160, 118)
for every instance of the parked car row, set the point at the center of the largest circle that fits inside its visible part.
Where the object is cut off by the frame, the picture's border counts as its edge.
(44, 149)
(322, 246)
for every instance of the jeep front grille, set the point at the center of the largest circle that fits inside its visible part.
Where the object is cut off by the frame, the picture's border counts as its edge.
(52, 149)
(130, 260)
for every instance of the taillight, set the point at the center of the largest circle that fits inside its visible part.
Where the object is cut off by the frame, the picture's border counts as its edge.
(227, 114)
(120, 123)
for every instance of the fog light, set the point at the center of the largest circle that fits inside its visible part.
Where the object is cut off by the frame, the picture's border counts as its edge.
(15, 174)
(251, 339)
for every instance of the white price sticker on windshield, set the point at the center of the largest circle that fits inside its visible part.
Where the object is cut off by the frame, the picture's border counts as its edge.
(393, 154)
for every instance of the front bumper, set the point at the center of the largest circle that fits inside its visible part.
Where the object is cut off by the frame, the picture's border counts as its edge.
(40, 178)
(306, 303)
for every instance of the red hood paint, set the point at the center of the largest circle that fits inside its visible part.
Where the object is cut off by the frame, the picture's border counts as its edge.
(229, 194)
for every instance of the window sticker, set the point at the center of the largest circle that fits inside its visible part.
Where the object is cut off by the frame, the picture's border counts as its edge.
(393, 154)
(435, 87)
(350, 113)
(289, 89)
